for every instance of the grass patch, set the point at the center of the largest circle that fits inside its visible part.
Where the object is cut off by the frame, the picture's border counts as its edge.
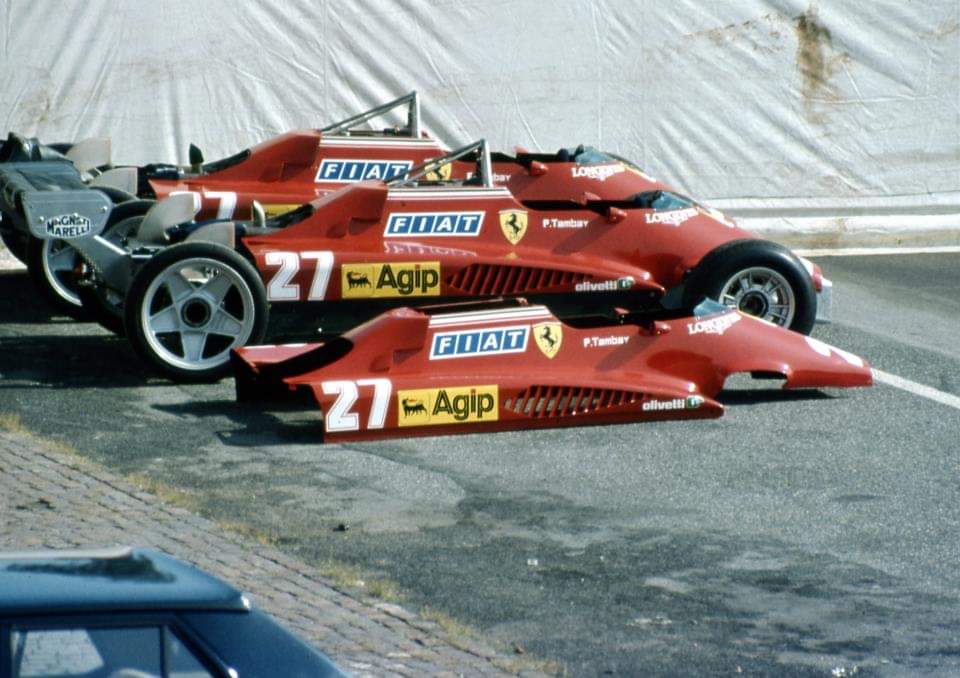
(12, 423)
(448, 624)
(166, 493)
(351, 577)
(458, 631)
(521, 664)
(247, 531)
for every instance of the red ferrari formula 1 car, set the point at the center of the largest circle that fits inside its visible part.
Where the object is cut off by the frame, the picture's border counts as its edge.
(111, 242)
(421, 237)
(411, 372)
(54, 194)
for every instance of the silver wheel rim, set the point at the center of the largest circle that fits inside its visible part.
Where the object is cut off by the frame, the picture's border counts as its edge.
(59, 262)
(186, 304)
(761, 292)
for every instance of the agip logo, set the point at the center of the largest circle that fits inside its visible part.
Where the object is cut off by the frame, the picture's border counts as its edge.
(390, 280)
(448, 405)
(337, 170)
(513, 223)
(436, 224)
(548, 336)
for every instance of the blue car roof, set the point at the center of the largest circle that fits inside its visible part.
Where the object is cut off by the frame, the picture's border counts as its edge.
(121, 579)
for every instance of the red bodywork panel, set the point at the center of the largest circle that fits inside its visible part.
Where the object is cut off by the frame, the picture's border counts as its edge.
(297, 167)
(407, 373)
(300, 166)
(462, 241)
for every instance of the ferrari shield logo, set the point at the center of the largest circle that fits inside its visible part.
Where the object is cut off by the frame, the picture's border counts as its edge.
(441, 173)
(548, 336)
(514, 224)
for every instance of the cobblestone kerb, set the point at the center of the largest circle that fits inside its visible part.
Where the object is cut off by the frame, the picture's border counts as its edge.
(52, 500)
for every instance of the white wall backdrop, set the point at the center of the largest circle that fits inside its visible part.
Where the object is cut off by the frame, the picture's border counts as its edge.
(791, 107)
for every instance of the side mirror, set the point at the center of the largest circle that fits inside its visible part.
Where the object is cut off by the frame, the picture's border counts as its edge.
(196, 158)
(615, 215)
(538, 168)
(655, 328)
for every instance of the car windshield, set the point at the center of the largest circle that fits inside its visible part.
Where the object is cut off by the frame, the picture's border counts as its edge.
(662, 200)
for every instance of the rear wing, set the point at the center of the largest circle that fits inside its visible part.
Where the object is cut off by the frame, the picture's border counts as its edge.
(48, 199)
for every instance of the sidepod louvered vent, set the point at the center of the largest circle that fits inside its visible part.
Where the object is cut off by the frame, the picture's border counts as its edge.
(563, 401)
(499, 279)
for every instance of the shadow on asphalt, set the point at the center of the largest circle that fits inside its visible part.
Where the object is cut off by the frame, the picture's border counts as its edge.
(283, 424)
(759, 396)
(21, 302)
(72, 362)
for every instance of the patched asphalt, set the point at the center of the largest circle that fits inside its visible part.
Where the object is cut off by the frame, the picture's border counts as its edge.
(799, 534)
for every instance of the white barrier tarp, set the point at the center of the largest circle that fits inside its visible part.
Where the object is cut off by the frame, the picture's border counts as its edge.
(776, 107)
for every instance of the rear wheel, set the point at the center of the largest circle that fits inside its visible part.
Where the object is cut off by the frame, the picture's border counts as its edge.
(53, 268)
(760, 278)
(104, 306)
(190, 305)
(53, 265)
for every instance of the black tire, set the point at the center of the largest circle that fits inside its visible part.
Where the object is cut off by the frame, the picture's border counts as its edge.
(193, 315)
(16, 243)
(723, 267)
(103, 305)
(58, 289)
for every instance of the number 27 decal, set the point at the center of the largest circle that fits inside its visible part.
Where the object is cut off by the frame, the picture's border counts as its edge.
(341, 417)
(280, 287)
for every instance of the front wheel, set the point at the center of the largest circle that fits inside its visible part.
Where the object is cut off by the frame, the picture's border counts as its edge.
(760, 278)
(190, 305)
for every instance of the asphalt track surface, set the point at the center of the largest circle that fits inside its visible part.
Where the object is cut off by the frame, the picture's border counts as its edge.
(800, 534)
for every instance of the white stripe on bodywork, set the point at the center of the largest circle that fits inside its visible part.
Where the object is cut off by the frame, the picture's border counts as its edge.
(450, 193)
(489, 316)
(869, 251)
